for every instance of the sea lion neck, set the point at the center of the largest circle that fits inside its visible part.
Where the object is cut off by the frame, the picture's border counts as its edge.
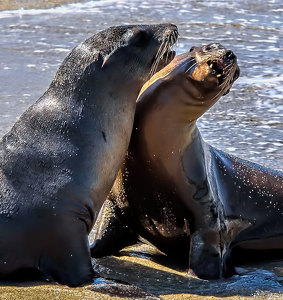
(161, 123)
(169, 95)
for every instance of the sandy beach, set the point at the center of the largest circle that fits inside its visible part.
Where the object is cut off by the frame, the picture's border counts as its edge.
(29, 4)
(142, 273)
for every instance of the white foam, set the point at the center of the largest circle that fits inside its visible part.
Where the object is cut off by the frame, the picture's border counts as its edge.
(90, 6)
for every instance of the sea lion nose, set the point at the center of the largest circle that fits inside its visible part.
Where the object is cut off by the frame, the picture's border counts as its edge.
(230, 55)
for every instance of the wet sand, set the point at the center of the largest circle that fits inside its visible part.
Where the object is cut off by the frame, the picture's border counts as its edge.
(143, 273)
(28, 4)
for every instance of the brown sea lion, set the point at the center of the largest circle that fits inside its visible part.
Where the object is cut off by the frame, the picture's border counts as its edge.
(182, 195)
(60, 159)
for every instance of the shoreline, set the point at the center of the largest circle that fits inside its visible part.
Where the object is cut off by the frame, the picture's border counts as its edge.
(33, 4)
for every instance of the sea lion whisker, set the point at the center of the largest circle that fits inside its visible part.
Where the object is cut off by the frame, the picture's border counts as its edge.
(162, 46)
(161, 51)
(222, 89)
(176, 35)
(183, 64)
(217, 95)
(154, 66)
(167, 56)
(171, 43)
(174, 38)
(157, 59)
(226, 74)
(165, 46)
(227, 67)
(229, 75)
(191, 67)
(176, 41)
(224, 83)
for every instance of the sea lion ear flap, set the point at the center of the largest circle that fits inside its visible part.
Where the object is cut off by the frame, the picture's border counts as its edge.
(97, 64)
(100, 60)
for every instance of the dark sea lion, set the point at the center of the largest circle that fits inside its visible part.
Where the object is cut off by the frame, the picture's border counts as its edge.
(60, 159)
(182, 195)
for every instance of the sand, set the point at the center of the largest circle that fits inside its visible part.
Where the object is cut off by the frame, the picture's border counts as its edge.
(28, 4)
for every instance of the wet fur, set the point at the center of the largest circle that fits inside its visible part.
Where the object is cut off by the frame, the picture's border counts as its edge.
(60, 159)
(184, 196)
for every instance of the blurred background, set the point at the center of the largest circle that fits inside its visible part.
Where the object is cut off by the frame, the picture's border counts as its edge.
(36, 35)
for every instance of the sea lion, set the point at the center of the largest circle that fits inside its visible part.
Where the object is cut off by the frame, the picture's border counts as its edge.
(60, 159)
(187, 198)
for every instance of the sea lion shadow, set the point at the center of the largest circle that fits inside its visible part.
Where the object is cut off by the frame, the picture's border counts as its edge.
(156, 279)
(24, 278)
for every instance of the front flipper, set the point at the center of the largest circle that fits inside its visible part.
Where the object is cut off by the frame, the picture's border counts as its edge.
(210, 255)
(66, 255)
(114, 231)
(205, 261)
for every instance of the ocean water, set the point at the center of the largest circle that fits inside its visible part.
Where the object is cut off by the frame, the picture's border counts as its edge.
(247, 122)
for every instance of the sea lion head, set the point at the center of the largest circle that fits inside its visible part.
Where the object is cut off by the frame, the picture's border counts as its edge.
(214, 68)
(149, 45)
(196, 79)
(131, 52)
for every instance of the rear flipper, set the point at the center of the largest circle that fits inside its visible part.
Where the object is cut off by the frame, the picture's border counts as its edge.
(262, 242)
(114, 231)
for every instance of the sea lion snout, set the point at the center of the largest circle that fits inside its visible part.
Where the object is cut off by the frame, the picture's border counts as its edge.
(215, 66)
(217, 50)
(230, 55)
(165, 31)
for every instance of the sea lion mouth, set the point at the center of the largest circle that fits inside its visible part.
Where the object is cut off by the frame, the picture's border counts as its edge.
(221, 67)
(217, 69)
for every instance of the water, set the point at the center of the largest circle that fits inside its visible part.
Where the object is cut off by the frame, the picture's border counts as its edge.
(247, 122)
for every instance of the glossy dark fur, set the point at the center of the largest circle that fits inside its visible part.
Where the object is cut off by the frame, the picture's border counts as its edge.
(187, 198)
(60, 159)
